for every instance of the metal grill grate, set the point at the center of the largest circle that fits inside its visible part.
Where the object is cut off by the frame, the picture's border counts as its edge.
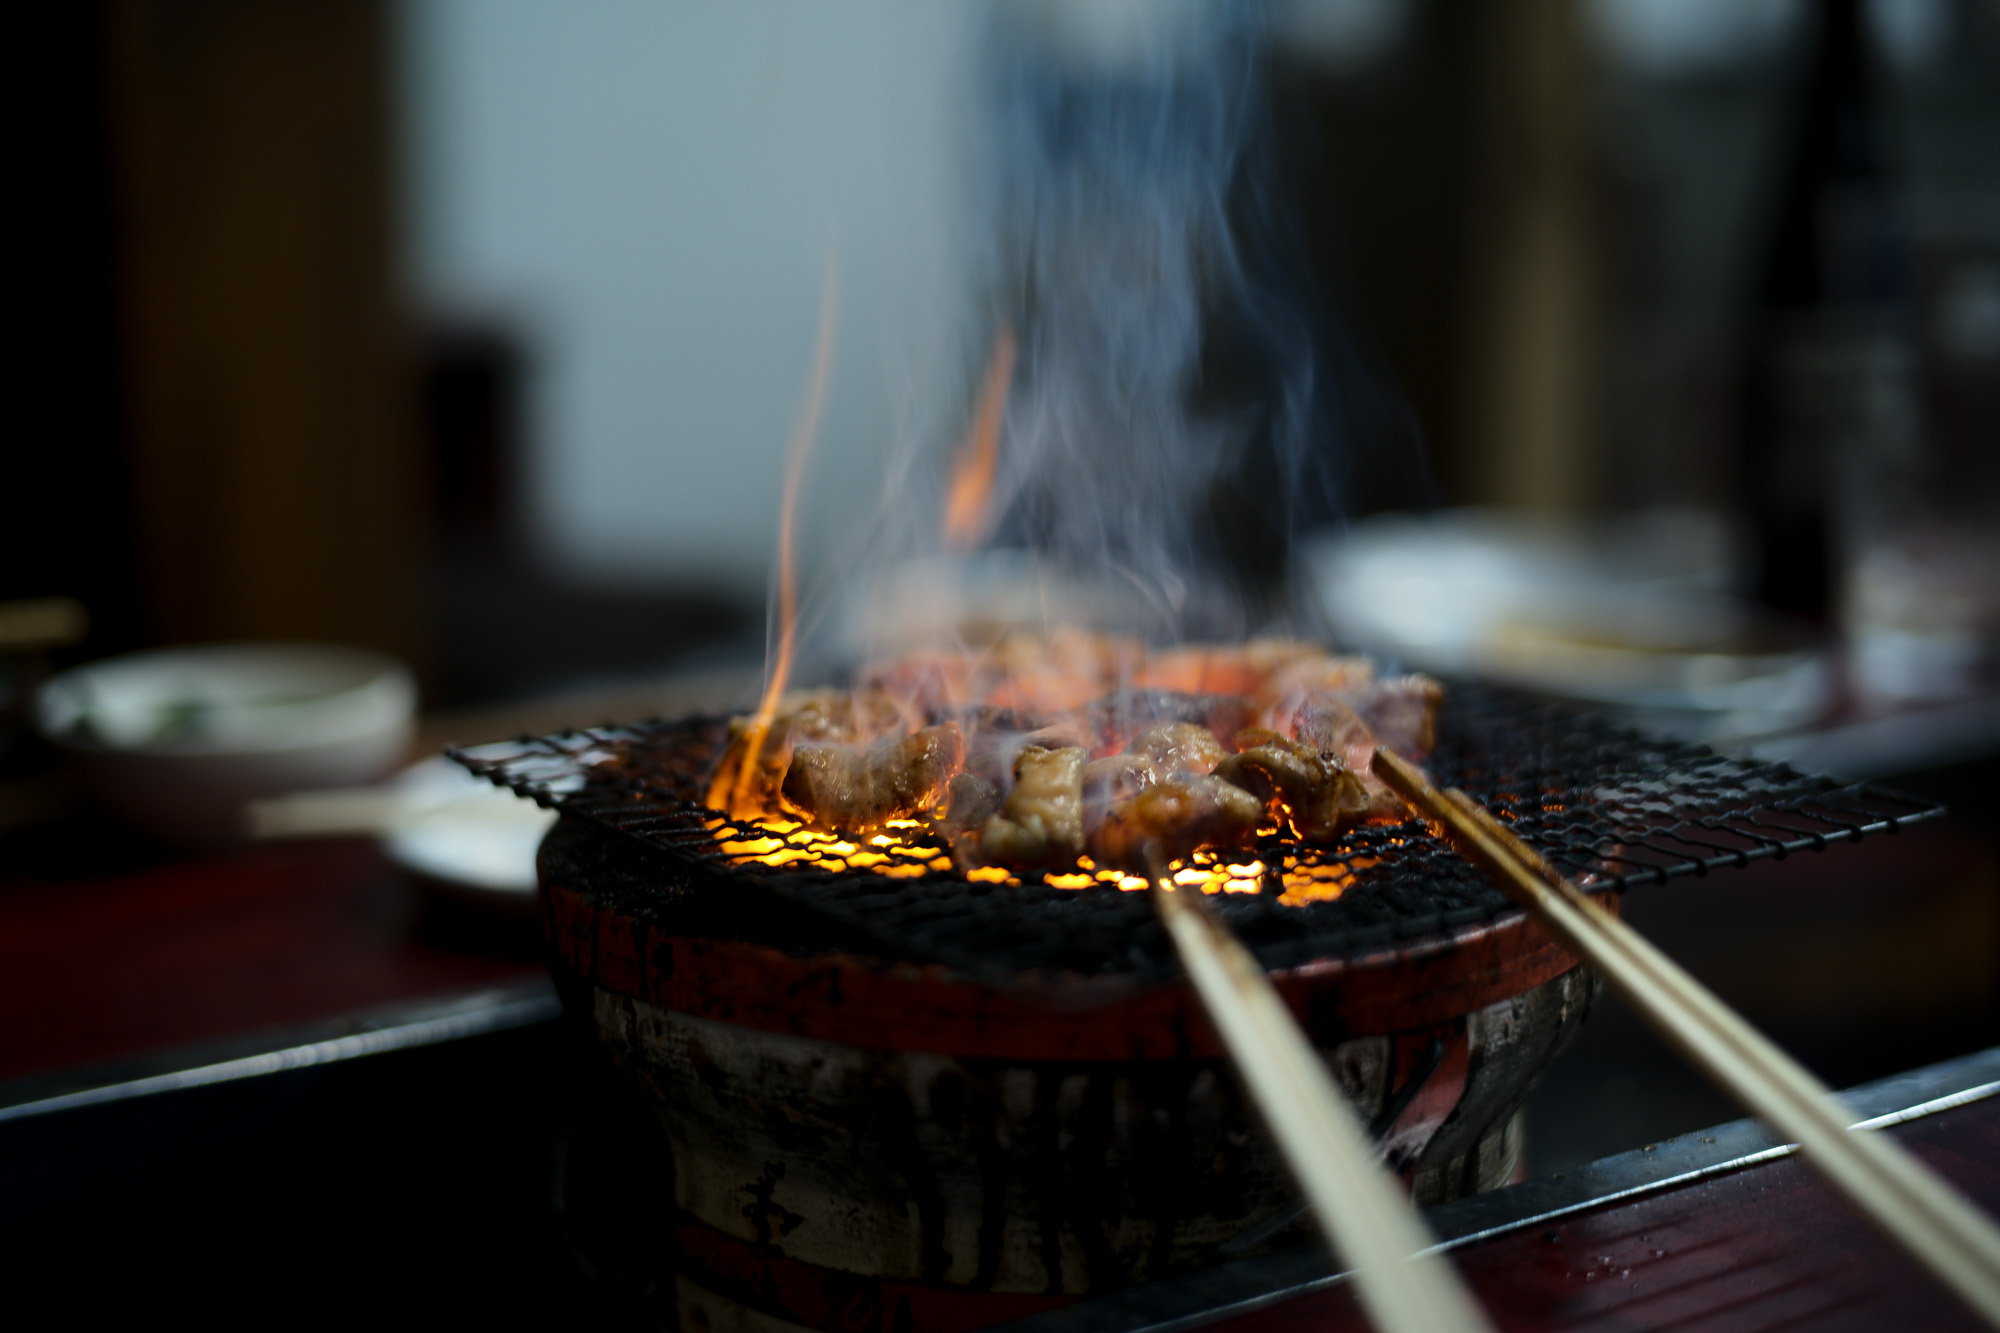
(1608, 805)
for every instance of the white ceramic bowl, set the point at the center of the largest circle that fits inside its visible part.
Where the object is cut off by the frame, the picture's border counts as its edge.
(178, 740)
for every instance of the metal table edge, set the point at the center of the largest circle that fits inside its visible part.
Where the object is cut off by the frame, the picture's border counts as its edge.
(1245, 1285)
(451, 1016)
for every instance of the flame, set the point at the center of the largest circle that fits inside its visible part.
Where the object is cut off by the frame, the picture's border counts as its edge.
(967, 516)
(1050, 676)
(804, 431)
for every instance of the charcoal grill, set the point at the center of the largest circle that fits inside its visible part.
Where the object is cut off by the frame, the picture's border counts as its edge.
(901, 1097)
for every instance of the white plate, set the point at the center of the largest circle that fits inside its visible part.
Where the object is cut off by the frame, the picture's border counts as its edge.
(464, 831)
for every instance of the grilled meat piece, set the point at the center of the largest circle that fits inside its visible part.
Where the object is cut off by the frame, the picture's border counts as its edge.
(1320, 673)
(1077, 731)
(835, 716)
(1399, 712)
(992, 754)
(1157, 755)
(1061, 672)
(1317, 795)
(1402, 712)
(1174, 818)
(1178, 747)
(1336, 730)
(1041, 821)
(969, 801)
(1115, 721)
(1033, 673)
(1331, 726)
(1223, 668)
(845, 787)
(1114, 778)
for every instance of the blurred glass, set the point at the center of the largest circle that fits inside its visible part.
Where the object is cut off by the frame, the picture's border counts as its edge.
(1920, 489)
(1632, 613)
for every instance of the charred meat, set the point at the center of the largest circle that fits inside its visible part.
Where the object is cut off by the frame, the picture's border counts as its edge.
(1178, 747)
(1034, 753)
(1114, 723)
(850, 787)
(1174, 818)
(753, 768)
(1398, 713)
(1316, 794)
(969, 801)
(1402, 713)
(1158, 754)
(1041, 821)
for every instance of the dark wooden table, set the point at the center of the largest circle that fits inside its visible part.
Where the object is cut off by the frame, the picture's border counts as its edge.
(1764, 1247)
(345, 1153)
(111, 947)
(288, 1084)
(1720, 1229)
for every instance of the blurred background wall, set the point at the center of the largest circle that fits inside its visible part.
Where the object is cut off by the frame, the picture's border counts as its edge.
(649, 196)
(475, 330)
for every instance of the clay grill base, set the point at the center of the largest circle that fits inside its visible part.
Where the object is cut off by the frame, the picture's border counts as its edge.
(858, 1143)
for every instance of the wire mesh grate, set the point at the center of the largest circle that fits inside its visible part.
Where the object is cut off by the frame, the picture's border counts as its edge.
(1610, 806)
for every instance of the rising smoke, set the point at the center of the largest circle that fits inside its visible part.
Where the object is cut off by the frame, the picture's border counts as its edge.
(1181, 403)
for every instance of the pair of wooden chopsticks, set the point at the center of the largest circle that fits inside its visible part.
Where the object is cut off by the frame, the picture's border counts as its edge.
(1404, 1285)
(1932, 1222)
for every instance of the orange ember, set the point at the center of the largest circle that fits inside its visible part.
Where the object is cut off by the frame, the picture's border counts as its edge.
(906, 849)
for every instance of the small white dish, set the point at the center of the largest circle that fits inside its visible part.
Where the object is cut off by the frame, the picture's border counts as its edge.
(434, 819)
(461, 830)
(177, 741)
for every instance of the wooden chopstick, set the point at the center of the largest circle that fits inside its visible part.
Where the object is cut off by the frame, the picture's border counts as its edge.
(1402, 1285)
(1932, 1222)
